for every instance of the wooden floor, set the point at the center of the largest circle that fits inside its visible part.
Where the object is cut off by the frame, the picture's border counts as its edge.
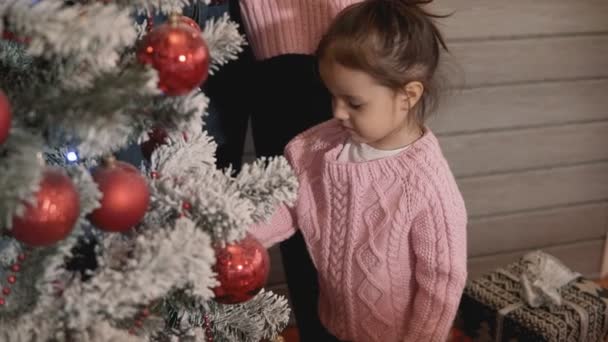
(291, 333)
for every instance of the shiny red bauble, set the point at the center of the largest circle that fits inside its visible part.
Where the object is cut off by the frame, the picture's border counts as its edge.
(54, 214)
(125, 196)
(178, 53)
(189, 22)
(242, 269)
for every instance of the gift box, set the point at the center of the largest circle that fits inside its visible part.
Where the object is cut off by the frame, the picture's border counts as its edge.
(534, 299)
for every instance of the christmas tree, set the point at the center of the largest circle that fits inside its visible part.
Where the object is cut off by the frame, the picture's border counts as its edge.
(92, 248)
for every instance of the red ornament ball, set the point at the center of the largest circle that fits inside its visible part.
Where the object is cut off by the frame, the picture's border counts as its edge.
(242, 269)
(179, 54)
(125, 197)
(54, 215)
(158, 136)
(189, 22)
(5, 117)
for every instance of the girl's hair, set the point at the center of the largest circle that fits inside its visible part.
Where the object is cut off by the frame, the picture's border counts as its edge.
(395, 41)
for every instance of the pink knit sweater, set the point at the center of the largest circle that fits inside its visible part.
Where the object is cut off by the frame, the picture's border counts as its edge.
(276, 27)
(387, 236)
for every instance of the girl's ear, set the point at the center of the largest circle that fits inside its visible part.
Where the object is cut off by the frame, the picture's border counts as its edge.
(413, 93)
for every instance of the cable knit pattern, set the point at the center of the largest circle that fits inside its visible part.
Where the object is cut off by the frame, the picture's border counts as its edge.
(339, 211)
(388, 237)
(277, 27)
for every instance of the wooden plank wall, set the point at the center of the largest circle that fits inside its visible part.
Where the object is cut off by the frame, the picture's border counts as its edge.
(526, 128)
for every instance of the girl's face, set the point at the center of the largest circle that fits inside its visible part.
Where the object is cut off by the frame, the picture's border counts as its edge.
(372, 113)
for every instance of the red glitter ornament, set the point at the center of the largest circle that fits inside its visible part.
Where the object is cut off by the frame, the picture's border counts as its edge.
(178, 53)
(53, 216)
(242, 269)
(189, 22)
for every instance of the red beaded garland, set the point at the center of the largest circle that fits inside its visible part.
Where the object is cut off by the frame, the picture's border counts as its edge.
(12, 279)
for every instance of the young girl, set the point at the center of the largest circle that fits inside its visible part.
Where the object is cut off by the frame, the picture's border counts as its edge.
(378, 206)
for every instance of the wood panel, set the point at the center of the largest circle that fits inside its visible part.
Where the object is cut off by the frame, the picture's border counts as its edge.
(503, 151)
(508, 193)
(469, 110)
(537, 229)
(480, 63)
(583, 257)
(515, 18)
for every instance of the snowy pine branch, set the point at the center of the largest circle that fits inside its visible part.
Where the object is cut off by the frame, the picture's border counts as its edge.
(264, 316)
(87, 189)
(25, 297)
(181, 113)
(9, 250)
(216, 204)
(224, 41)
(268, 183)
(16, 68)
(94, 32)
(156, 6)
(135, 272)
(184, 154)
(20, 173)
(101, 117)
